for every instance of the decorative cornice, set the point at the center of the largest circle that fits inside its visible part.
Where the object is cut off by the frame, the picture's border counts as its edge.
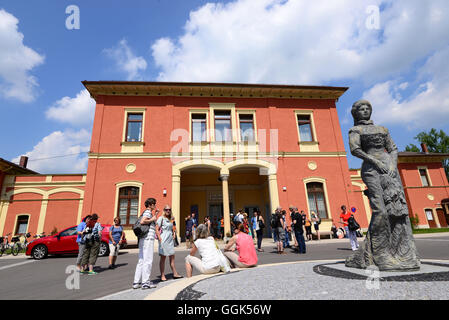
(196, 89)
(199, 155)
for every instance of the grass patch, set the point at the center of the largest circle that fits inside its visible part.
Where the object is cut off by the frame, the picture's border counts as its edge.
(437, 230)
(423, 231)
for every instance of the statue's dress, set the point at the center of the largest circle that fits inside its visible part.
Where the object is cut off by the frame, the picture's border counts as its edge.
(389, 242)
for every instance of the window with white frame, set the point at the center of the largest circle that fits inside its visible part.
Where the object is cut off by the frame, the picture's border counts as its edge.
(305, 127)
(134, 127)
(424, 177)
(246, 123)
(128, 205)
(316, 198)
(223, 129)
(429, 214)
(22, 224)
(199, 127)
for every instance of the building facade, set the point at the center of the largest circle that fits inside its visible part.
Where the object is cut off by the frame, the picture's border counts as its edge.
(205, 148)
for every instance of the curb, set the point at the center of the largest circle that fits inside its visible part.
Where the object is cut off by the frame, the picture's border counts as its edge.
(169, 292)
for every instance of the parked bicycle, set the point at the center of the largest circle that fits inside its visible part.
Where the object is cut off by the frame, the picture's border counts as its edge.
(19, 246)
(4, 244)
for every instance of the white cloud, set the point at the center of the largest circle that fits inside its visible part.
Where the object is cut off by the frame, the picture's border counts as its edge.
(126, 61)
(301, 41)
(46, 155)
(16, 61)
(77, 111)
(427, 106)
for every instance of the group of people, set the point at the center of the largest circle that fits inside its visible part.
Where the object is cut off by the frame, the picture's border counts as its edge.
(299, 222)
(214, 226)
(89, 234)
(199, 238)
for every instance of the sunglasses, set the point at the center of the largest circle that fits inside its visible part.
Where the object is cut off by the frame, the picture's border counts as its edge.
(167, 209)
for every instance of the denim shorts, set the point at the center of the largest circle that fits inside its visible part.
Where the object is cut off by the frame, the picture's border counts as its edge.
(279, 234)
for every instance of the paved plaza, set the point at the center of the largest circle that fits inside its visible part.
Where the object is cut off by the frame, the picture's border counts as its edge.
(318, 274)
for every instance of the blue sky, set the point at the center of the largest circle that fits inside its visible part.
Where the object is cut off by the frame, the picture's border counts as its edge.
(399, 64)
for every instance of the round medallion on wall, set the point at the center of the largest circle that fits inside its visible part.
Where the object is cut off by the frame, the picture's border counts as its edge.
(130, 167)
(430, 197)
(312, 165)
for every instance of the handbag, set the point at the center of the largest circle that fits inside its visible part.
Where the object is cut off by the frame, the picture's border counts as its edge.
(223, 262)
(261, 224)
(352, 224)
(140, 230)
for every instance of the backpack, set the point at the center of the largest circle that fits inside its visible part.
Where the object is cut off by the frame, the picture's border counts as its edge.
(273, 221)
(352, 224)
(87, 238)
(97, 235)
(140, 230)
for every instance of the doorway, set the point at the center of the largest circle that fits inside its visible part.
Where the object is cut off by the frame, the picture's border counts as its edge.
(442, 218)
(430, 218)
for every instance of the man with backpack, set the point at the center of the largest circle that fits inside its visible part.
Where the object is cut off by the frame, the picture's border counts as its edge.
(146, 246)
(278, 230)
(298, 227)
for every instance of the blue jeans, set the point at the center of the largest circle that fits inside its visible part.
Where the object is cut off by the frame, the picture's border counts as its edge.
(352, 235)
(301, 242)
(285, 244)
(259, 238)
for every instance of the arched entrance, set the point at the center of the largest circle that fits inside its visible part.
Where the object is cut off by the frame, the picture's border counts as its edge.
(212, 185)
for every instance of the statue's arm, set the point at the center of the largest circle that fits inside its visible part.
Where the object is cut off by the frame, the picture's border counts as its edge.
(355, 145)
(391, 147)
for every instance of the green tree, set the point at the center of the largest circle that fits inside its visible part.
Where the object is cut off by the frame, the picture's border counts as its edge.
(436, 141)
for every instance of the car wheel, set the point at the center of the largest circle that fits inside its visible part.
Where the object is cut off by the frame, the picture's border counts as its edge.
(104, 249)
(39, 252)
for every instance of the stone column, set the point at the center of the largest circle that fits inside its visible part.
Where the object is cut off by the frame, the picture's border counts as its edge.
(42, 215)
(226, 213)
(4, 205)
(176, 201)
(273, 189)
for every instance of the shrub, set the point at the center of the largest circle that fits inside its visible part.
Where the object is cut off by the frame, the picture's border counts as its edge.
(414, 220)
(54, 231)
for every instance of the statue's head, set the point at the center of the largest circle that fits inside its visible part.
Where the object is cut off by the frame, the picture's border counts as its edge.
(361, 110)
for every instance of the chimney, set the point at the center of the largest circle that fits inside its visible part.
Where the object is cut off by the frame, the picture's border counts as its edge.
(424, 148)
(23, 161)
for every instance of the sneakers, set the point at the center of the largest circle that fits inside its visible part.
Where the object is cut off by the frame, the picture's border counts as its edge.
(148, 285)
(92, 272)
(136, 285)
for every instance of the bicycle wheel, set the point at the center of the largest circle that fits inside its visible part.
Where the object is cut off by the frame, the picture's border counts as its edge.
(2, 249)
(15, 249)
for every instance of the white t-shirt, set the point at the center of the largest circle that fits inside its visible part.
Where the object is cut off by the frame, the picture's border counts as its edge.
(208, 252)
(151, 235)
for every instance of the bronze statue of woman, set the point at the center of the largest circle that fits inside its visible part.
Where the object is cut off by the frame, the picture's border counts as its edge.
(389, 242)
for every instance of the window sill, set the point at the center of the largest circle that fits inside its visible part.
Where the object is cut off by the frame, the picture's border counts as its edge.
(197, 143)
(308, 143)
(132, 143)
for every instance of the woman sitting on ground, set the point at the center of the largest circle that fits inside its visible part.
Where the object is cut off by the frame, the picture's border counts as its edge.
(205, 245)
(247, 256)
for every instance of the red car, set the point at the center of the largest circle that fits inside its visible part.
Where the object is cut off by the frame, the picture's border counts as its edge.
(64, 242)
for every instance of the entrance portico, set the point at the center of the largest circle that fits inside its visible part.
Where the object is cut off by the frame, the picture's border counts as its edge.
(224, 173)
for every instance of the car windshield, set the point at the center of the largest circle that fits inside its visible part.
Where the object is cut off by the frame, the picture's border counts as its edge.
(68, 232)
